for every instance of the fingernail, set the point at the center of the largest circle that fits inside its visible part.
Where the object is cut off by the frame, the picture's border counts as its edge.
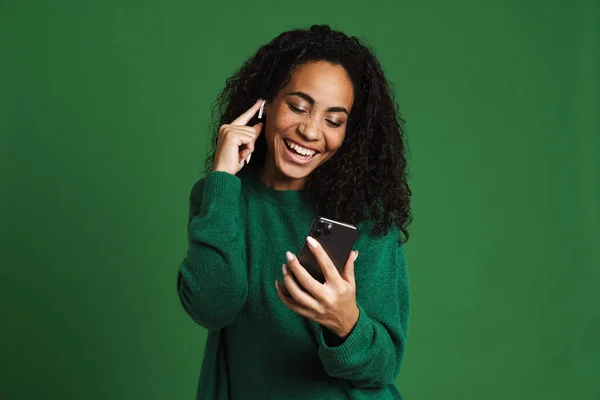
(277, 285)
(355, 255)
(284, 269)
(312, 242)
(248, 159)
(289, 256)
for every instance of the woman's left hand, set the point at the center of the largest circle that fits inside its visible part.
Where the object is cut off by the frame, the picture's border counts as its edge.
(331, 304)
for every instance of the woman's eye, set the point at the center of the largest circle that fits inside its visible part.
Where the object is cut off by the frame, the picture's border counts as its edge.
(296, 109)
(334, 124)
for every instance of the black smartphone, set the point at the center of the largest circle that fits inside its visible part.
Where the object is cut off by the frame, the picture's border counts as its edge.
(336, 238)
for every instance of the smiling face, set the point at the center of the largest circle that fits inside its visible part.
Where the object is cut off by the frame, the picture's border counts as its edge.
(306, 123)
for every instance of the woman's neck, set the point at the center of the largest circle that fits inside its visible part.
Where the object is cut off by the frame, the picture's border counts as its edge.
(272, 177)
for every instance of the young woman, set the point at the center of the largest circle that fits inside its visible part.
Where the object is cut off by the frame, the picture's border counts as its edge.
(330, 143)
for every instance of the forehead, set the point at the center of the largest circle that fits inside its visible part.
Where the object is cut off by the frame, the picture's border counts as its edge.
(326, 83)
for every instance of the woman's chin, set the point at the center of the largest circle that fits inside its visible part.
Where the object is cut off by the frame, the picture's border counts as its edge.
(294, 171)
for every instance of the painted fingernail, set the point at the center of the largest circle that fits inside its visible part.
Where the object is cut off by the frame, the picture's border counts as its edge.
(355, 255)
(312, 242)
(289, 256)
(284, 269)
(248, 159)
(277, 285)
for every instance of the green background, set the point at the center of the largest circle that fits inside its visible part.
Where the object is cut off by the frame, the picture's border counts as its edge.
(104, 114)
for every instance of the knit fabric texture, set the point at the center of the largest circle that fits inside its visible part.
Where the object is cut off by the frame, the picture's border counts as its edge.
(239, 230)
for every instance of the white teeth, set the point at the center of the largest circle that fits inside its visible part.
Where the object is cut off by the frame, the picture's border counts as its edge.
(301, 150)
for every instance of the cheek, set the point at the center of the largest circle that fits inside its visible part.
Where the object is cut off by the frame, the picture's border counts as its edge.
(276, 125)
(334, 141)
(284, 121)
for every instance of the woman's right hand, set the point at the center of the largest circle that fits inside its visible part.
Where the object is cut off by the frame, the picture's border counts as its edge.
(236, 141)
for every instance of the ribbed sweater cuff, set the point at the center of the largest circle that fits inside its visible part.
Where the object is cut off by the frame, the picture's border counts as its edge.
(221, 187)
(349, 352)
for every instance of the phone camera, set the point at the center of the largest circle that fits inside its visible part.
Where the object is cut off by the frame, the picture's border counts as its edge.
(317, 233)
(327, 230)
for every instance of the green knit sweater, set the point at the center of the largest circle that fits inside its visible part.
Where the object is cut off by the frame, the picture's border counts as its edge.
(239, 230)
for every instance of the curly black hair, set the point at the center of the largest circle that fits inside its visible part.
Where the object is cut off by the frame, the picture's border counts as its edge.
(367, 178)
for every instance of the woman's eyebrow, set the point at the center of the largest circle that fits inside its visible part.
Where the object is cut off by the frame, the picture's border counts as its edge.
(312, 102)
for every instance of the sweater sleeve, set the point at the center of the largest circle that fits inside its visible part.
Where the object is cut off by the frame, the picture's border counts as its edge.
(212, 279)
(372, 354)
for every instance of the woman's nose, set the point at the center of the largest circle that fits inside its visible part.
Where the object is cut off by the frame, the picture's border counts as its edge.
(310, 129)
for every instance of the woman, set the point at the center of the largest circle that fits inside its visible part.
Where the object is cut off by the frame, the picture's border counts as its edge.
(330, 143)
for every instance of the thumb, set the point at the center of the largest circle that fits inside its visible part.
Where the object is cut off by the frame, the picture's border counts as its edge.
(348, 272)
(258, 128)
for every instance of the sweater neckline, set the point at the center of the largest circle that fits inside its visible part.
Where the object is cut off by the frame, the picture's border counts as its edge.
(280, 197)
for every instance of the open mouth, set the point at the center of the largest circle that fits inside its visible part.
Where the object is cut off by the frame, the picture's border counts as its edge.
(299, 151)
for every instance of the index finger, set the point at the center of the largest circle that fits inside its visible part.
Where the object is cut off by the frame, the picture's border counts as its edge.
(330, 272)
(302, 278)
(247, 116)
